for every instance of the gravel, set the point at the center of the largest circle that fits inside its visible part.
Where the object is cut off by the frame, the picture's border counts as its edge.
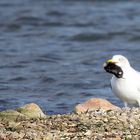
(99, 125)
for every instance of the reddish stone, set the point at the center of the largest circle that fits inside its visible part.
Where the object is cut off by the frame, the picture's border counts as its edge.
(94, 104)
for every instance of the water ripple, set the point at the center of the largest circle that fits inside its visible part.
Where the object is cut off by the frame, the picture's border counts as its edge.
(91, 37)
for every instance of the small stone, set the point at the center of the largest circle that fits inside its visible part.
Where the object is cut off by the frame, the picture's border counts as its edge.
(105, 120)
(88, 132)
(116, 138)
(2, 136)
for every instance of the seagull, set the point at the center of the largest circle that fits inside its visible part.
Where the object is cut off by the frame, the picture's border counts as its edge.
(125, 82)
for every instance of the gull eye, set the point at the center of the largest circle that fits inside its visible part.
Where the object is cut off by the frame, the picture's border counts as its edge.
(121, 59)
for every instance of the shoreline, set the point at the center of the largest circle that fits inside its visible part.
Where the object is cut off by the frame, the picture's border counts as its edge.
(115, 124)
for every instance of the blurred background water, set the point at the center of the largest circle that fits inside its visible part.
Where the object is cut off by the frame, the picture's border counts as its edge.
(52, 51)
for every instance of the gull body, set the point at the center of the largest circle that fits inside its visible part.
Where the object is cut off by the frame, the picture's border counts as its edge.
(126, 87)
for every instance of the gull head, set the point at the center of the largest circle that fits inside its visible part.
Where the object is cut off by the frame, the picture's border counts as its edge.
(119, 60)
(116, 65)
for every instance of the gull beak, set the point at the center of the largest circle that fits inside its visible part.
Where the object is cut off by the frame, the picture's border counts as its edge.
(111, 61)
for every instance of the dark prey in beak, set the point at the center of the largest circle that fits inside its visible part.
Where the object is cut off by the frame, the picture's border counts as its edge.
(114, 69)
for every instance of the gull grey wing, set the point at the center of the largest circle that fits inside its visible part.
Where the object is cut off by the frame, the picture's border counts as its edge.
(110, 85)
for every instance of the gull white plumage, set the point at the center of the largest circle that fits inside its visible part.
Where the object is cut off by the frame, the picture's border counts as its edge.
(125, 82)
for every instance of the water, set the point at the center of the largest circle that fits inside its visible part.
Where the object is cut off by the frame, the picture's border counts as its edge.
(52, 51)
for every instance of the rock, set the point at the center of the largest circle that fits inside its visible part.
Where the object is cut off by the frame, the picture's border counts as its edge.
(2, 136)
(11, 115)
(31, 110)
(94, 104)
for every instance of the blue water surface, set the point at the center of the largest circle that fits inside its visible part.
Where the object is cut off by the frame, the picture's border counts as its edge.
(52, 51)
